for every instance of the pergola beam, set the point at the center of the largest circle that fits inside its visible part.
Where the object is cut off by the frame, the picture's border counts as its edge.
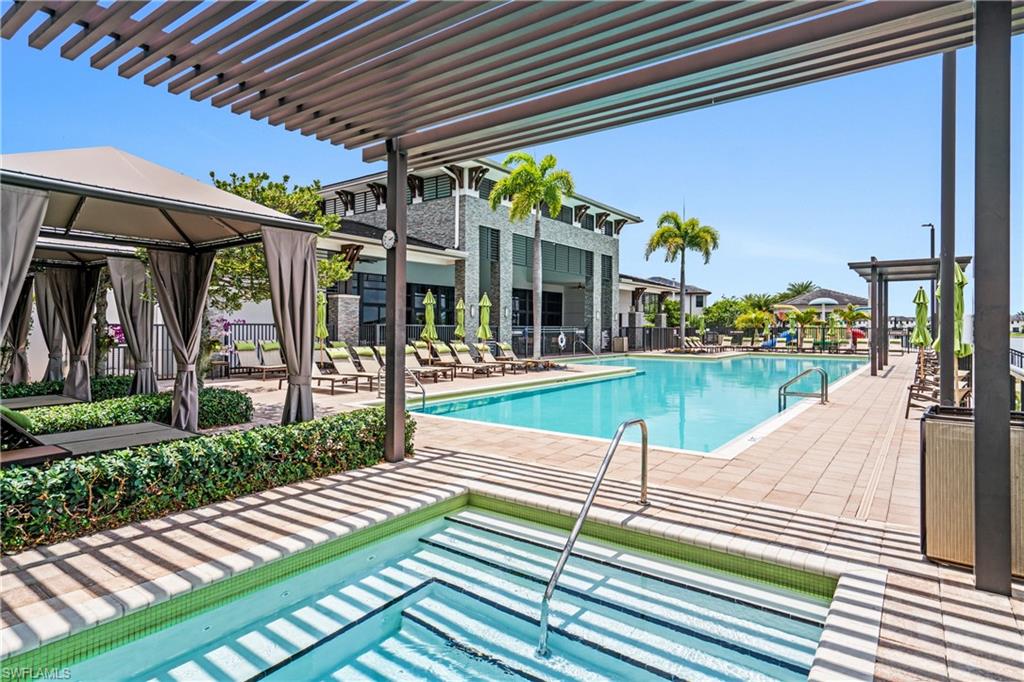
(394, 344)
(947, 224)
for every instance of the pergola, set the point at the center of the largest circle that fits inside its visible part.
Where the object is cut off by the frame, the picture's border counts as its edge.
(446, 81)
(67, 212)
(878, 274)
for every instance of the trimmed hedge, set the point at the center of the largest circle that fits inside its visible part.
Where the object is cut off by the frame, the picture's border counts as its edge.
(74, 497)
(103, 388)
(217, 407)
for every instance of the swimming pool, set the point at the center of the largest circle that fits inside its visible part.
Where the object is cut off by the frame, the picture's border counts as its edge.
(688, 403)
(456, 598)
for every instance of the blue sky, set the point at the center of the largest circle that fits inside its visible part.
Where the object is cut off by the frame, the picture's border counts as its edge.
(798, 182)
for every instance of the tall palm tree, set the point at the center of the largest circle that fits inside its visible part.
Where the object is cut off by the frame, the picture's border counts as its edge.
(850, 316)
(763, 302)
(529, 185)
(805, 318)
(795, 289)
(677, 236)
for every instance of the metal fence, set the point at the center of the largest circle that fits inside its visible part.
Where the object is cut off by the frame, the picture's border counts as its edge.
(650, 338)
(377, 334)
(551, 340)
(1016, 358)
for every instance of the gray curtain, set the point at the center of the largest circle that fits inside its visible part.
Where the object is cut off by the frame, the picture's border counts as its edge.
(17, 336)
(73, 291)
(181, 281)
(291, 262)
(49, 325)
(135, 310)
(21, 216)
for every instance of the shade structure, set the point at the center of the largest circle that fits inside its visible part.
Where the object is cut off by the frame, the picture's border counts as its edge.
(130, 284)
(960, 348)
(21, 218)
(429, 333)
(460, 320)
(49, 326)
(483, 332)
(17, 336)
(73, 291)
(922, 335)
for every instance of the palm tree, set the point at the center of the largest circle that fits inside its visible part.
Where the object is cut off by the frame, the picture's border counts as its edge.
(754, 319)
(677, 236)
(850, 316)
(759, 302)
(795, 289)
(529, 185)
(805, 318)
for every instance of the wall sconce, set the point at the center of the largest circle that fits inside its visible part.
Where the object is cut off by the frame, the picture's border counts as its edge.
(506, 312)
(472, 310)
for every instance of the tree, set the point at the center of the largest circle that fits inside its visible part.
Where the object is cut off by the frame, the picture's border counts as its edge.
(677, 236)
(671, 310)
(529, 185)
(722, 314)
(795, 289)
(754, 319)
(763, 302)
(240, 273)
(805, 318)
(851, 316)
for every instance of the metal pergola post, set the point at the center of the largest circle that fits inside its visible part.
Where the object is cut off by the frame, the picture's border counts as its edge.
(883, 295)
(992, 526)
(873, 327)
(947, 240)
(394, 373)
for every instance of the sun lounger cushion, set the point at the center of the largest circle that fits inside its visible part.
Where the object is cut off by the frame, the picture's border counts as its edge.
(364, 352)
(461, 347)
(270, 345)
(18, 418)
(245, 345)
(505, 346)
(337, 344)
(337, 353)
(420, 344)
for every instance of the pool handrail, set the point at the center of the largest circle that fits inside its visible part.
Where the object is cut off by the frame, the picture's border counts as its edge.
(822, 394)
(542, 645)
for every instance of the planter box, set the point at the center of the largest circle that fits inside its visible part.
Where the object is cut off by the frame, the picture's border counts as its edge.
(947, 487)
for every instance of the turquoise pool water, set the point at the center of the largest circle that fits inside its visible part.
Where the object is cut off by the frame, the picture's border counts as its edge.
(694, 404)
(456, 598)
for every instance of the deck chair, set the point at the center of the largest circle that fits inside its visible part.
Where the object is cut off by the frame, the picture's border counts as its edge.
(248, 357)
(345, 367)
(505, 352)
(781, 345)
(414, 362)
(807, 344)
(271, 362)
(488, 358)
(725, 343)
(465, 364)
(317, 375)
(410, 359)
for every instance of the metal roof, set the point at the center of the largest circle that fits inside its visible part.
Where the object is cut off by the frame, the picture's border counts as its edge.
(460, 80)
(905, 270)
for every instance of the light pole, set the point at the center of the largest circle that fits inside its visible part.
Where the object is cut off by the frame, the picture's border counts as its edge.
(931, 226)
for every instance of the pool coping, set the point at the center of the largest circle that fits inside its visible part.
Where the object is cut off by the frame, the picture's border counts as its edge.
(848, 642)
(726, 451)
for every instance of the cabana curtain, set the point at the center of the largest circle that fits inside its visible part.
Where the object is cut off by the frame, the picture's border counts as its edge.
(135, 311)
(73, 291)
(291, 262)
(49, 325)
(21, 216)
(17, 336)
(181, 281)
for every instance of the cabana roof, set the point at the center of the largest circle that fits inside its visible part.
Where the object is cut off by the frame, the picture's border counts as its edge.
(904, 269)
(104, 194)
(69, 253)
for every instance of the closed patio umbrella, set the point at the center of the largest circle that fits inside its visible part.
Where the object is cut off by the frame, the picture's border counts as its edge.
(460, 320)
(701, 327)
(833, 327)
(960, 349)
(429, 333)
(483, 332)
(321, 332)
(921, 335)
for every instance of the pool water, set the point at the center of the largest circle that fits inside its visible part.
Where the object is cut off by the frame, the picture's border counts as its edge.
(688, 403)
(456, 598)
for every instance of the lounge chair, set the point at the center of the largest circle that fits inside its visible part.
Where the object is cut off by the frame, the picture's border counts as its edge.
(781, 345)
(410, 354)
(747, 343)
(896, 346)
(345, 367)
(319, 377)
(505, 352)
(725, 343)
(413, 361)
(270, 359)
(488, 358)
(464, 363)
(807, 345)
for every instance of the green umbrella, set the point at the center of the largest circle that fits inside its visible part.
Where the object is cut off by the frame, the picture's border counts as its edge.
(700, 325)
(483, 332)
(321, 332)
(460, 320)
(429, 333)
(960, 349)
(767, 326)
(833, 327)
(921, 335)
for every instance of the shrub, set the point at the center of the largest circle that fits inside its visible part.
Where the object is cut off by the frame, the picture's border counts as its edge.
(217, 407)
(103, 388)
(73, 497)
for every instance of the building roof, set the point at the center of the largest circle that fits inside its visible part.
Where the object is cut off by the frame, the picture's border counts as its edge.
(658, 283)
(842, 298)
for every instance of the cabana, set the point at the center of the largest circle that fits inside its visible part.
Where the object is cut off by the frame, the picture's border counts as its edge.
(72, 210)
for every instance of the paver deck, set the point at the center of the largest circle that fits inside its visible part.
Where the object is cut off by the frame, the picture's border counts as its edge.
(835, 484)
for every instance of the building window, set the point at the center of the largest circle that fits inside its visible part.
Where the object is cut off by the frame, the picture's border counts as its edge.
(444, 309)
(490, 245)
(606, 268)
(522, 308)
(437, 187)
(364, 202)
(486, 185)
(649, 303)
(372, 291)
(698, 301)
(588, 222)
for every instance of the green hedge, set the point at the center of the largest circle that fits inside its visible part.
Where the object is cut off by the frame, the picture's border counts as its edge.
(217, 407)
(103, 388)
(74, 497)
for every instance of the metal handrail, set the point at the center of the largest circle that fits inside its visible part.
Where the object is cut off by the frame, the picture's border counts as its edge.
(542, 644)
(409, 373)
(577, 340)
(822, 394)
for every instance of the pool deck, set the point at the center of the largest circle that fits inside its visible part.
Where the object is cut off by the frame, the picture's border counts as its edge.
(833, 489)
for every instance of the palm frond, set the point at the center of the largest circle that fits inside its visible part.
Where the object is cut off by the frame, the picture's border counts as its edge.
(516, 159)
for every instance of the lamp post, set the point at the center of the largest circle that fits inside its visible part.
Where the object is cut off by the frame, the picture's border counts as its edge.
(931, 227)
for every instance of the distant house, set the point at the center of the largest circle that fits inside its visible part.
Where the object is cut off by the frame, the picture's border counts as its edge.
(901, 322)
(644, 294)
(1017, 323)
(803, 301)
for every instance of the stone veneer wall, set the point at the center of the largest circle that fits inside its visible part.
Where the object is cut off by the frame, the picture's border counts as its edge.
(343, 317)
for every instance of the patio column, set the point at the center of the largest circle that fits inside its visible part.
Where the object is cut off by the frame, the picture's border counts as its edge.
(49, 325)
(873, 327)
(947, 238)
(394, 373)
(991, 297)
(884, 293)
(135, 310)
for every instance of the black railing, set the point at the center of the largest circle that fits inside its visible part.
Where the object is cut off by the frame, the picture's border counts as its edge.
(1016, 358)
(376, 334)
(650, 338)
(551, 340)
